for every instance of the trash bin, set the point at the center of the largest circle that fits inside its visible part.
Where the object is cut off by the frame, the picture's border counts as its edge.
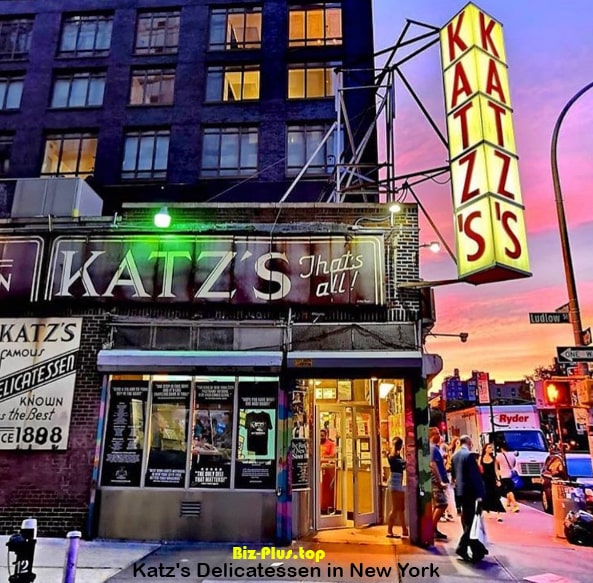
(566, 496)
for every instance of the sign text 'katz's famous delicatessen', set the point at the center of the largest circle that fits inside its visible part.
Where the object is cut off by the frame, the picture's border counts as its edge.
(489, 222)
(37, 374)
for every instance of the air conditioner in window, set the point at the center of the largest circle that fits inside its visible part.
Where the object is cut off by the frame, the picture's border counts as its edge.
(57, 196)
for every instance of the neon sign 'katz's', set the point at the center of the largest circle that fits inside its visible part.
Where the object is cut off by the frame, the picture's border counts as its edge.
(489, 223)
(237, 269)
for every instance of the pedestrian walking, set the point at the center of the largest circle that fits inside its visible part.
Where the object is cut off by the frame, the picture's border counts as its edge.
(397, 465)
(492, 483)
(469, 486)
(507, 462)
(448, 450)
(440, 483)
(454, 447)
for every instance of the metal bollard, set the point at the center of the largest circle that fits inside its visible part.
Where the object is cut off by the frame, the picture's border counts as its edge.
(71, 556)
(23, 547)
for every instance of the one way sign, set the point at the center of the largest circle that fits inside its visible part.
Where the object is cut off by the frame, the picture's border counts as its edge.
(574, 354)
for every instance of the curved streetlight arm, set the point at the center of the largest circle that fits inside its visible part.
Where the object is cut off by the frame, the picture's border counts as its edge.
(573, 302)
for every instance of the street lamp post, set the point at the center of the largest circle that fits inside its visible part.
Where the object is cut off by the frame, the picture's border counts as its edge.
(573, 302)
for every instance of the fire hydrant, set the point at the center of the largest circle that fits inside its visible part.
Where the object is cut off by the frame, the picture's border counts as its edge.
(22, 545)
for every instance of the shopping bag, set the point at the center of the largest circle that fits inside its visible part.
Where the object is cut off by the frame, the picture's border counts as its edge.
(516, 479)
(478, 530)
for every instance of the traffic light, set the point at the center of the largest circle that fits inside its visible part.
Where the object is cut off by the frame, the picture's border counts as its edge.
(585, 392)
(557, 393)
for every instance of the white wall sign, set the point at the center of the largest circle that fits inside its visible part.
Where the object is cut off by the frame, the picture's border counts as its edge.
(37, 375)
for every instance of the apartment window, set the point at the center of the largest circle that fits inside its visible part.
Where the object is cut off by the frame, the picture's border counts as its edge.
(315, 25)
(230, 151)
(15, 38)
(157, 33)
(302, 141)
(145, 154)
(78, 90)
(11, 91)
(86, 36)
(311, 80)
(5, 152)
(228, 83)
(70, 154)
(152, 87)
(235, 28)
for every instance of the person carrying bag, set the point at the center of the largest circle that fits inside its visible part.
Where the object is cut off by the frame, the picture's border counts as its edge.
(469, 488)
(477, 534)
(506, 463)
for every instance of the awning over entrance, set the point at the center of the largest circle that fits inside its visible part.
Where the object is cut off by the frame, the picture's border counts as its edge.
(154, 361)
(354, 359)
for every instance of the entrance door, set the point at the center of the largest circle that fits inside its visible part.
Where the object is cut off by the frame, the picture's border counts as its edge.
(331, 464)
(345, 464)
(363, 457)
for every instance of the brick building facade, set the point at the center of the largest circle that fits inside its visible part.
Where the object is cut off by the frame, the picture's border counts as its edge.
(314, 340)
(201, 387)
(98, 77)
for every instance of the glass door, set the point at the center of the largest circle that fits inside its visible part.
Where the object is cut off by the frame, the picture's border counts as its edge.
(331, 467)
(363, 474)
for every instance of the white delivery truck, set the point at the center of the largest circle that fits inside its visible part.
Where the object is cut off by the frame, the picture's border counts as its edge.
(516, 425)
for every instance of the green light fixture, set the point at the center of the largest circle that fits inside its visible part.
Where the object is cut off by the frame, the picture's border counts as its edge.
(162, 219)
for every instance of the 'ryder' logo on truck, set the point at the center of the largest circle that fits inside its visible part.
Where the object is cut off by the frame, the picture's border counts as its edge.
(508, 419)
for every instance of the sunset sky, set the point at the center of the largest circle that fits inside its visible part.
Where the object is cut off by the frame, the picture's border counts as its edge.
(549, 50)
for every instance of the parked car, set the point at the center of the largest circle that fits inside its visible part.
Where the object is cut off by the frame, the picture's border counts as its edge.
(578, 469)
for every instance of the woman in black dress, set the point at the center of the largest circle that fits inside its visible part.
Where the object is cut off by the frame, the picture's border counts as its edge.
(491, 475)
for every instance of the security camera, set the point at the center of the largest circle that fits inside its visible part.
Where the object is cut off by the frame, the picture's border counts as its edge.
(463, 336)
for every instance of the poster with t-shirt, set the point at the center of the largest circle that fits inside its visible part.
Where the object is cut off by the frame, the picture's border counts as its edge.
(256, 439)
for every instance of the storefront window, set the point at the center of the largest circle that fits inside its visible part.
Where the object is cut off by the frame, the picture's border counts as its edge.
(342, 390)
(391, 414)
(212, 435)
(168, 431)
(222, 429)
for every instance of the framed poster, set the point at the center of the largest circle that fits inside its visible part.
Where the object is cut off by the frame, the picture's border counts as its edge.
(168, 434)
(212, 435)
(124, 433)
(299, 445)
(256, 437)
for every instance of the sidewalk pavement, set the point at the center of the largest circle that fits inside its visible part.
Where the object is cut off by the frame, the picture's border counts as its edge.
(97, 560)
(522, 548)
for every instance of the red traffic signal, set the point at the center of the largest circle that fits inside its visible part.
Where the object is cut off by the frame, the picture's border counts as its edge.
(557, 393)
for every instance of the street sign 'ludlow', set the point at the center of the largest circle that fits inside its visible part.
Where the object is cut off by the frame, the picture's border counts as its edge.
(574, 354)
(549, 318)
